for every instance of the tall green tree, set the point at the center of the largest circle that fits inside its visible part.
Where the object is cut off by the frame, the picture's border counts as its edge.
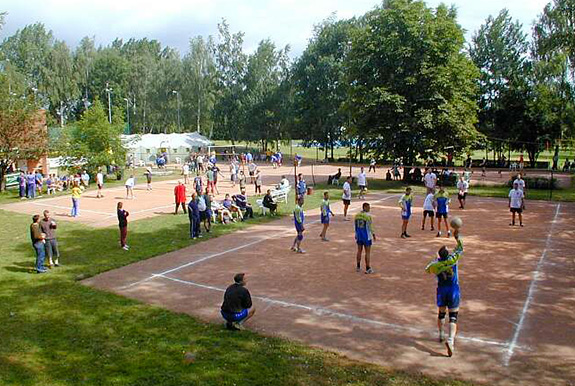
(412, 88)
(320, 84)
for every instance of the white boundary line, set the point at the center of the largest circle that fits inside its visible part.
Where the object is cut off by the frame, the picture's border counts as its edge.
(327, 312)
(257, 241)
(532, 287)
(69, 208)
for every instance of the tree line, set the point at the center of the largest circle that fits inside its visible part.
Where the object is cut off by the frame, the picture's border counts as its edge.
(400, 81)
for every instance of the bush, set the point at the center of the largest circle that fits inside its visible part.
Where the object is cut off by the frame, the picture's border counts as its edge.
(536, 183)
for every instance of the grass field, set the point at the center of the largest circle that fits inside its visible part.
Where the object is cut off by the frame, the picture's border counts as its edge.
(56, 331)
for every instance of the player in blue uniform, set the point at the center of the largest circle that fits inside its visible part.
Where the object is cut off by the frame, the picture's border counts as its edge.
(405, 202)
(442, 201)
(448, 295)
(298, 218)
(325, 215)
(364, 237)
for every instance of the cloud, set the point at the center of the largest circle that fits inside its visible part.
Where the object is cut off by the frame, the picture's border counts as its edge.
(174, 22)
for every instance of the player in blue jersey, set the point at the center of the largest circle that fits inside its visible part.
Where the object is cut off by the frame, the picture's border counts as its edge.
(442, 201)
(298, 218)
(448, 295)
(364, 237)
(326, 213)
(405, 203)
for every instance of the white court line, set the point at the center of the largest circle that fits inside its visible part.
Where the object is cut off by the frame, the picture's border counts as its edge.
(327, 312)
(276, 235)
(530, 293)
(69, 208)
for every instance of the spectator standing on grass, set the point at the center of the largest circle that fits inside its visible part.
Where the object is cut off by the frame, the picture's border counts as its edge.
(268, 202)
(22, 185)
(123, 224)
(462, 188)
(430, 180)
(48, 226)
(258, 183)
(85, 179)
(99, 183)
(38, 243)
(346, 197)
(516, 204)
(39, 182)
(448, 293)
(76, 194)
(198, 184)
(242, 180)
(301, 186)
(203, 209)
(206, 214)
(50, 185)
(30, 185)
(180, 197)
(194, 216)
(362, 183)
(237, 307)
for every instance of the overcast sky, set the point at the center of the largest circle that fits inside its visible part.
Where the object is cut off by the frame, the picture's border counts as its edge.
(173, 22)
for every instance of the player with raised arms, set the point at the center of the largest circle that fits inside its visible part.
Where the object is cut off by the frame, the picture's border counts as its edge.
(448, 294)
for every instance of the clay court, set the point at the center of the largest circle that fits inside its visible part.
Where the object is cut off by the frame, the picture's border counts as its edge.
(517, 324)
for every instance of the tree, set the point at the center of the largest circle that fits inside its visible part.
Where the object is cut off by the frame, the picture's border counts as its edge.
(320, 85)
(411, 86)
(22, 136)
(93, 141)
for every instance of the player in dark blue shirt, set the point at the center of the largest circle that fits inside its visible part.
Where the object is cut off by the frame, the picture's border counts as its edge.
(448, 294)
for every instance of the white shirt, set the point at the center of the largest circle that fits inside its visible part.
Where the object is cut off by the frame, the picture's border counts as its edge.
(372, 162)
(346, 191)
(130, 182)
(284, 183)
(202, 204)
(186, 169)
(516, 196)
(428, 203)
(100, 179)
(430, 179)
(252, 167)
(463, 186)
(361, 180)
(200, 159)
(521, 183)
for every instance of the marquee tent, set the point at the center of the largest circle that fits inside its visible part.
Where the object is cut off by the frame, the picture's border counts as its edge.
(177, 146)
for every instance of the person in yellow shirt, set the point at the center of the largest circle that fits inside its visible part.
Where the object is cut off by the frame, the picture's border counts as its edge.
(76, 193)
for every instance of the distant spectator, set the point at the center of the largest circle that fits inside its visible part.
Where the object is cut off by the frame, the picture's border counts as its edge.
(85, 179)
(194, 216)
(242, 180)
(76, 194)
(148, 174)
(30, 185)
(130, 183)
(242, 203)
(123, 225)
(39, 182)
(99, 183)
(258, 182)
(22, 185)
(38, 243)
(301, 186)
(48, 226)
(230, 205)
(180, 196)
(268, 202)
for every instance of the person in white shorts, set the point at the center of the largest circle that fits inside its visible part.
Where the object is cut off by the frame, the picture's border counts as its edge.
(100, 183)
(186, 172)
(346, 197)
(130, 182)
(430, 180)
(516, 204)
(362, 183)
(428, 209)
(462, 188)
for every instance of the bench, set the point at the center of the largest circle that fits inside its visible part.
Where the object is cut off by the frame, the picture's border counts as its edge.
(281, 194)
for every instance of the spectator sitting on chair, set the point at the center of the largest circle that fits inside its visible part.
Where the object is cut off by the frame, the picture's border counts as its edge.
(237, 306)
(228, 204)
(242, 203)
(335, 178)
(268, 202)
(284, 183)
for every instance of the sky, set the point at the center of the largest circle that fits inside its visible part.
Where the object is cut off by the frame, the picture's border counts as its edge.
(174, 22)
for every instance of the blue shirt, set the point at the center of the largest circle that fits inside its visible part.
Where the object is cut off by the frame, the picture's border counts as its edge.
(193, 208)
(363, 231)
(442, 202)
(301, 187)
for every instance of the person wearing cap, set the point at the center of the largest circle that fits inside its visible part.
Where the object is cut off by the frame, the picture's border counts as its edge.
(237, 307)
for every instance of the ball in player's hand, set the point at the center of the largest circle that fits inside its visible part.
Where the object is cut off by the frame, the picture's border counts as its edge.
(456, 223)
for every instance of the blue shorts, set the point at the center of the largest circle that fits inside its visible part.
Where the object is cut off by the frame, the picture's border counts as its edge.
(237, 317)
(324, 219)
(448, 296)
(298, 227)
(405, 216)
(365, 243)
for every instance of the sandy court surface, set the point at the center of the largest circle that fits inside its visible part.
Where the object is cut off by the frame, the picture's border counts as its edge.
(518, 289)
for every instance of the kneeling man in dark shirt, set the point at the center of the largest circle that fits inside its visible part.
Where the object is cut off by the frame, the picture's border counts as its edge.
(237, 306)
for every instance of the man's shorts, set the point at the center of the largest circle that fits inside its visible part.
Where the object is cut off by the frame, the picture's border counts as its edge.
(365, 243)
(324, 219)
(516, 210)
(237, 317)
(204, 215)
(448, 296)
(362, 187)
(346, 202)
(462, 196)
(429, 213)
(252, 174)
(405, 215)
(440, 215)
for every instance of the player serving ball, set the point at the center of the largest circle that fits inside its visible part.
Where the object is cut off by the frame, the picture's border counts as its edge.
(444, 267)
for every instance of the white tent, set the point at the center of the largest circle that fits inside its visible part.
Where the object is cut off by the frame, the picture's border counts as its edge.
(146, 147)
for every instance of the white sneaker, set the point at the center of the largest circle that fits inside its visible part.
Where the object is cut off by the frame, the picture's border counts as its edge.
(299, 250)
(438, 234)
(449, 344)
(126, 248)
(448, 233)
(370, 270)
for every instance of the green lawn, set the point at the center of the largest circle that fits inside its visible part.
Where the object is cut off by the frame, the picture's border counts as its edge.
(55, 331)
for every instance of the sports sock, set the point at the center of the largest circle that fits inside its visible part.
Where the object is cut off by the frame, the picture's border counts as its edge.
(452, 331)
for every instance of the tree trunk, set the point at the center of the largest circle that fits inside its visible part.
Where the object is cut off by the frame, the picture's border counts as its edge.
(3, 169)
